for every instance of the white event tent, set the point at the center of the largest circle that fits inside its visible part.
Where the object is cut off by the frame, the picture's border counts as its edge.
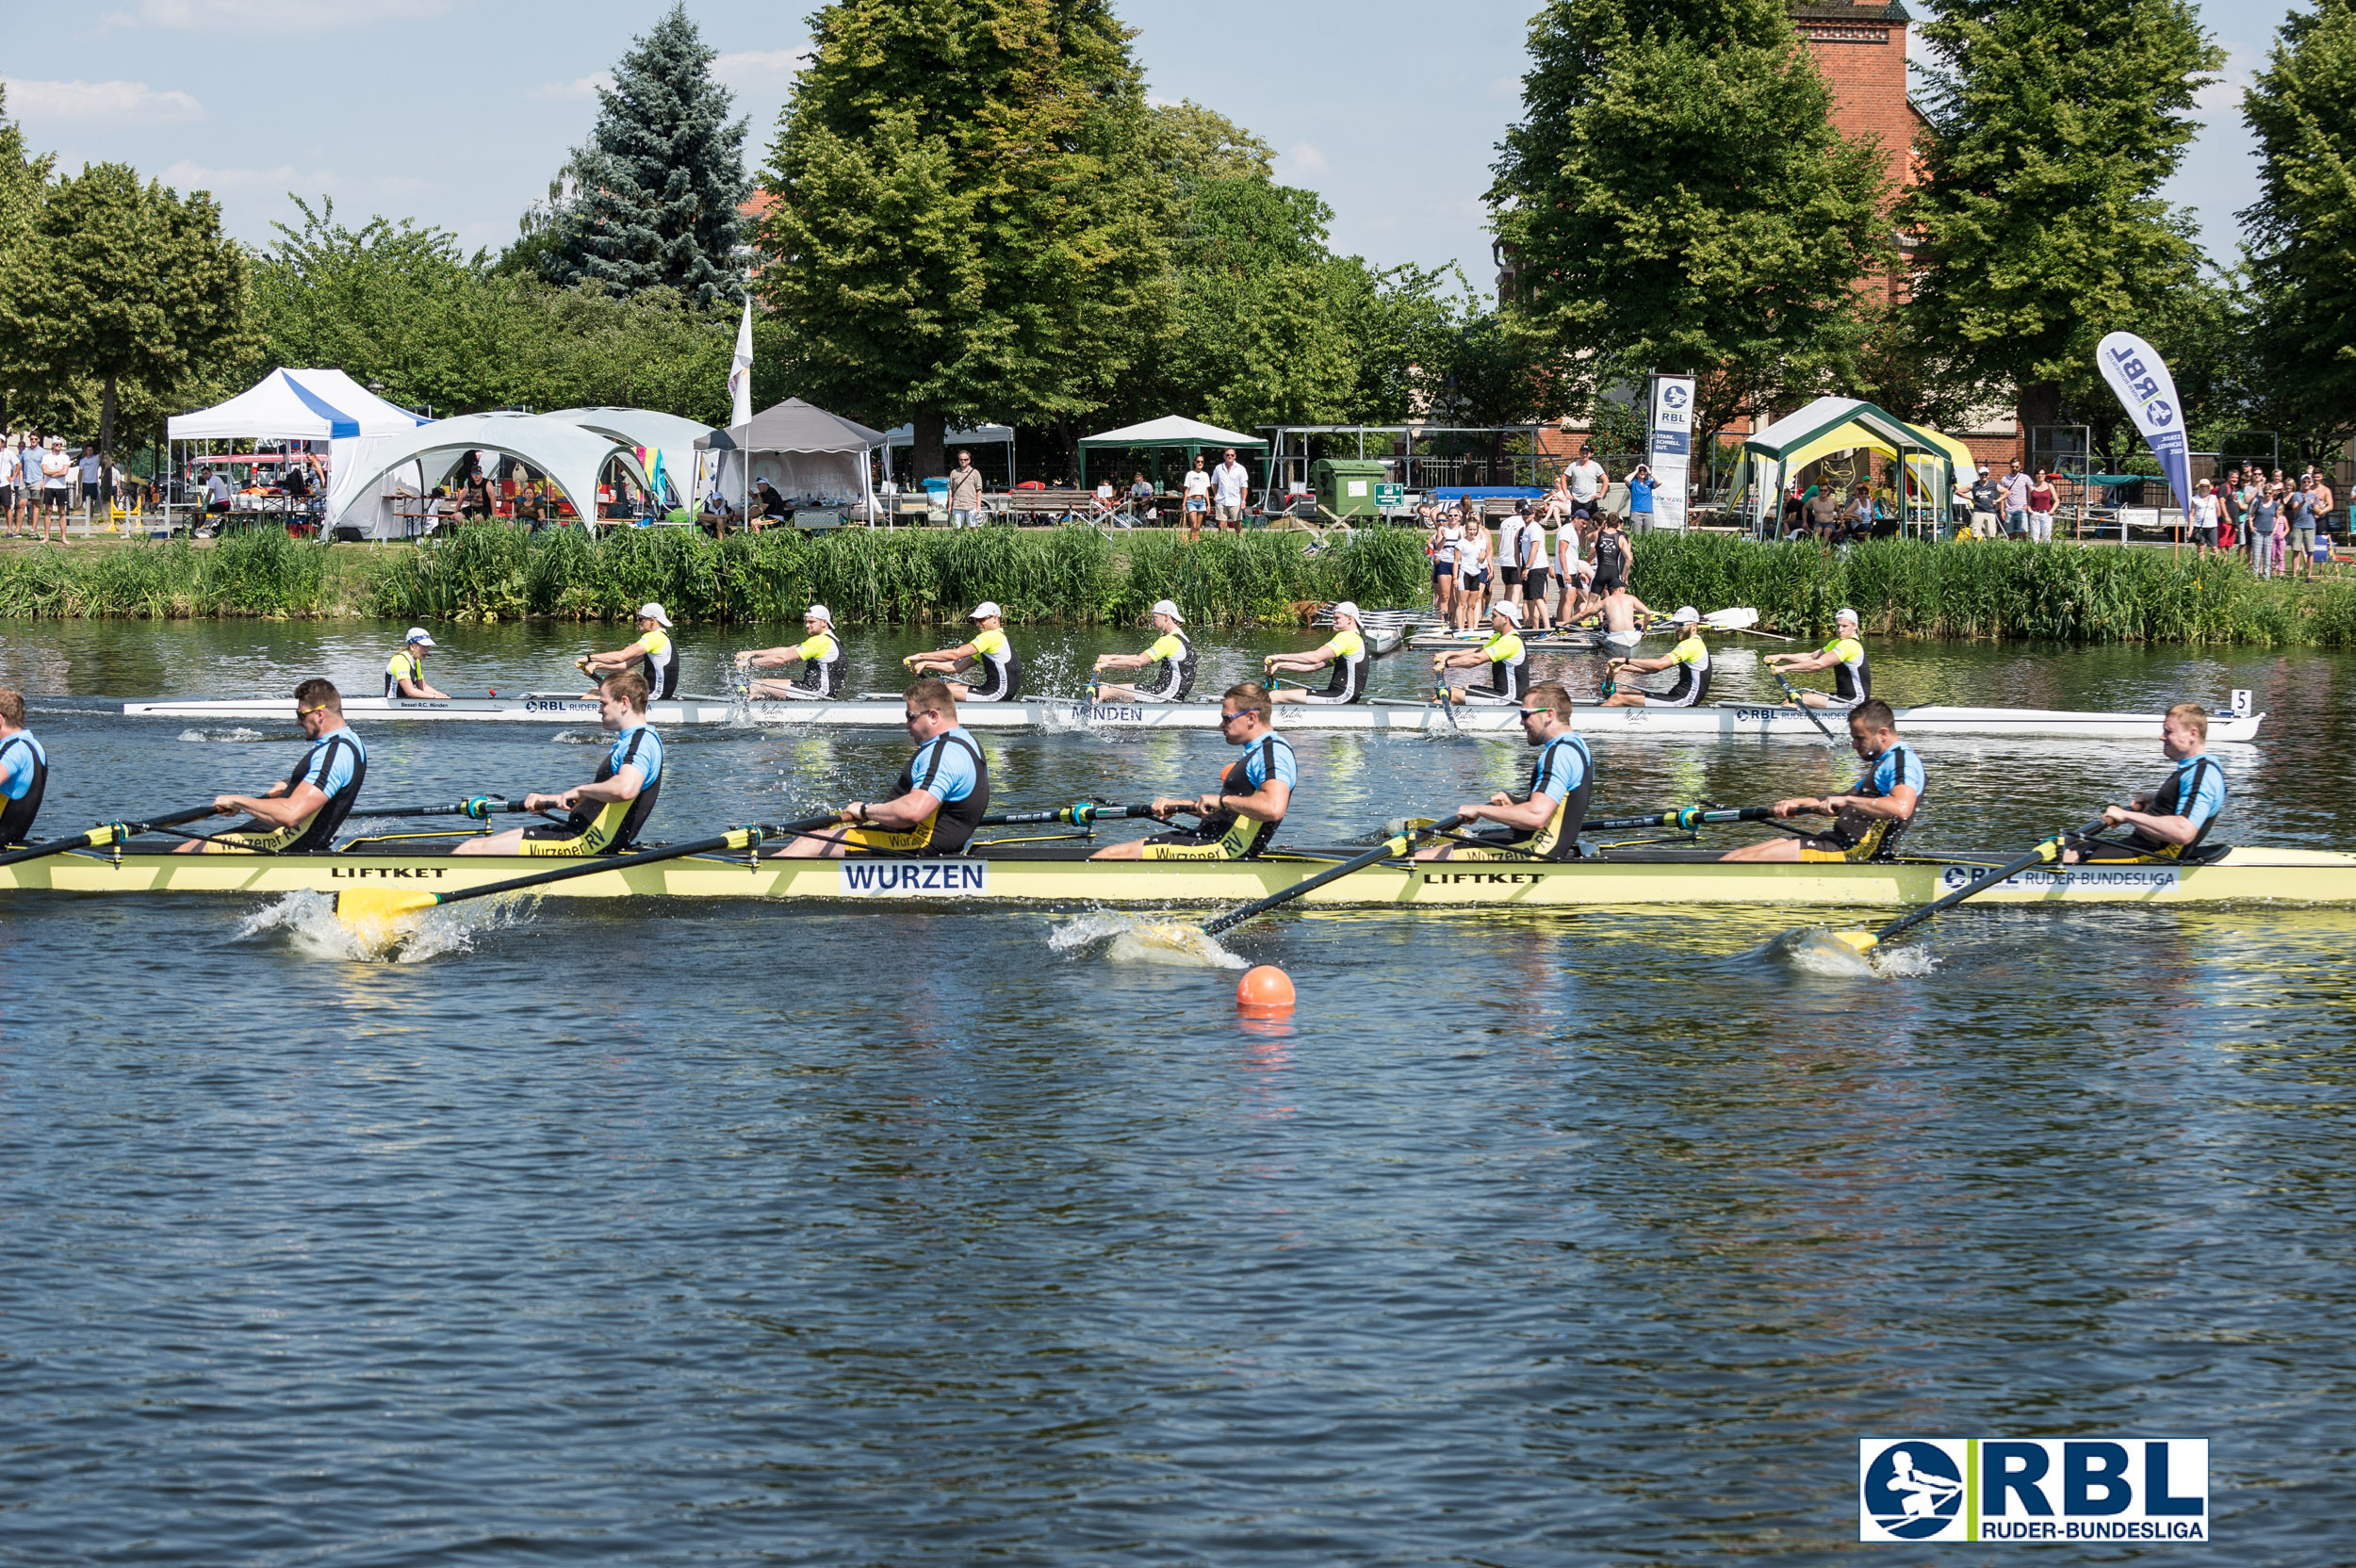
(299, 405)
(570, 454)
(670, 437)
(1171, 430)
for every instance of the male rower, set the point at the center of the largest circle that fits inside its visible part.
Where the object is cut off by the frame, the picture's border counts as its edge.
(1542, 823)
(1868, 821)
(820, 654)
(1845, 656)
(605, 814)
(1171, 659)
(653, 653)
(1241, 815)
(1507, 659)
(24, 771)
(941, 797)
(1690, 658)
(1624, 617)
(1345, 652)
(2175, 817)
(988, 649)
(301, 813)
(404, 672)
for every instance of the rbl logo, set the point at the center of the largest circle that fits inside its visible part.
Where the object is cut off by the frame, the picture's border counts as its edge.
(2033, 1489)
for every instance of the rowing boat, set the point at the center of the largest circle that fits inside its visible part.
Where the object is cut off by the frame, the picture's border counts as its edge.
(1058, 875)
(1724, 721)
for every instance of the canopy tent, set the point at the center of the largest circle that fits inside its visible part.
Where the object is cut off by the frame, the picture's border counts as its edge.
(812, 456)
(980, 435)
(1831, 425)
(665, 443)
(322, 406)
(574, 457)
(1171, 430)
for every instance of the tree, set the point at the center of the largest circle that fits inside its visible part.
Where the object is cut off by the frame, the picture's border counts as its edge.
(2052, 126)
(123, 283)
(2302, 228)
(969, 223)
(1675, 198)
(24, 182)
(658, 185)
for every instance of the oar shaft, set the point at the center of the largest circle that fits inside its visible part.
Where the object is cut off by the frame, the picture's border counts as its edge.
(1683, 817)
(1801, 703)
(1079, 815)
(1394, 846)
(476, 806)
(2048, 851)
(104, 834)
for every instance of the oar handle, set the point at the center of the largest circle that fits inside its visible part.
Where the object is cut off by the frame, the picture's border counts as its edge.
(1079, 814)
(735, 838)
(1801, 703)
(1397, 844)
(2049, 851)
(476, 806)
(106, 833)
(1683, 817)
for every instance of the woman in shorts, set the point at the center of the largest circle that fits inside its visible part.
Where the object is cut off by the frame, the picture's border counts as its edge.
(1472, 572)
(1445, 539)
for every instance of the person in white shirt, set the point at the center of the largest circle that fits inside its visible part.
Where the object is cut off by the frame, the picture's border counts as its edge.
(1588, 482)
(56, 483)
(11, 467)
(1198, 502)
(1104, 497)
(1571, 575)
(1232, 486)
(2016, 488)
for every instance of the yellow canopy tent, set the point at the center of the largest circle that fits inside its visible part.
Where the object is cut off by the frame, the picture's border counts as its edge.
(1831, 425)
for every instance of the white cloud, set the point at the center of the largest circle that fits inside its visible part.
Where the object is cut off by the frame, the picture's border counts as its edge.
(1307, 158)
(285, 15)
(2225, 92)
(1506, 89)
(579, 87)
(758, 67)
(185, 175)
(120, 102)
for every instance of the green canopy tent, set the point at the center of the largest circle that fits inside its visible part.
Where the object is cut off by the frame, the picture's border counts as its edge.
(1171, 430)
(1831, 425)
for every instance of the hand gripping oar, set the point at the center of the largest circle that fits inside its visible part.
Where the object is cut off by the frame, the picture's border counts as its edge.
(1813, 717)
(1864, 941)
(1390, 848)
(104, 834)
(1447, 699)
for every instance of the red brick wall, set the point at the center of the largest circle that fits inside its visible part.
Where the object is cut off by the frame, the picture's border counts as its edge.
(1864, 62)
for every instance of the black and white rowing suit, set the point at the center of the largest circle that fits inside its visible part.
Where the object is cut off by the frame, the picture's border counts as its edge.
(659, 664)
(1509, 672)
(819, 679)
(1171, 676)
(999, 675)
(1691, 686)
(23, 778)
(1611, 561)
(1852, 678)
(1347, 652)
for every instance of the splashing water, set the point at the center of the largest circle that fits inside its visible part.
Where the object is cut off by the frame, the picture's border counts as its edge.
(1136, 940)
(199, 736)
(310, 925)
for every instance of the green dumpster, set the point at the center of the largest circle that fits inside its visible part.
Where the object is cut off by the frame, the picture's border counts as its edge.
(1345, 485)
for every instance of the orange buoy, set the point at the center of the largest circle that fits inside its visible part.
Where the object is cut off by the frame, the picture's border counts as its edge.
(1265, 988)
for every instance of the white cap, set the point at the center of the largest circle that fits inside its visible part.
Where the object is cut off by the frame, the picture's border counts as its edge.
(416, 634)
(1509, 609)
(1169, 608)
(1686, 615)
(1345, 608)
(985, 609)
(1845, 613)
(819, 612)
(653, 611)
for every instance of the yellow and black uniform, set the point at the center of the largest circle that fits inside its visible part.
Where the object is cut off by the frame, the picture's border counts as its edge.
(1172, 675)
(2196, 792)
(610, 829)
(1565, 774)
(24, 778)
(404, 665)
(1001, 674)
(950, 768)
(336, 765)
(1854, 836)
(1693, 683)
(1348, 681)
(1852, 679)
(819, 679)
(1230, 835)
(1509, 671)
(659, 664)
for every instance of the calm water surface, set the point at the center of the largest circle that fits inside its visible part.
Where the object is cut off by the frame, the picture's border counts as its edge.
(678, 1235)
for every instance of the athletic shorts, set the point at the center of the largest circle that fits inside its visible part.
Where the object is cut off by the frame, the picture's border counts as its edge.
(1441, 569)
(1483, 696)
(785, 691)
(1473, 579)
(1602, 585)
(1228, 513)
(1326, 699)
(1509, 575)
(1534, 582)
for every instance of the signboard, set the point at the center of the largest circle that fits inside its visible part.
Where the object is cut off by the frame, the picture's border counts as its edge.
(2148, 393)
(1390, 495)
(1671, 452)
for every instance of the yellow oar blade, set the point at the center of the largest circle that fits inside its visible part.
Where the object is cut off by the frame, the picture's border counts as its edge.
(1859, 942)
(371, 914)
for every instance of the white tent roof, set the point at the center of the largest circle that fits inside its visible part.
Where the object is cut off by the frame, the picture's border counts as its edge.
(1173, 430)
(638, 427)
(564, 451)
(296, 405)
(980, 435)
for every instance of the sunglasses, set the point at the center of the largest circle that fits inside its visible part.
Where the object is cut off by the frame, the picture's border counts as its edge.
(305, 712)
(1226, 719)
(910, 717)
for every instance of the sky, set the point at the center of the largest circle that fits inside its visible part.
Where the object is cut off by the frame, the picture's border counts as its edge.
(457, 113)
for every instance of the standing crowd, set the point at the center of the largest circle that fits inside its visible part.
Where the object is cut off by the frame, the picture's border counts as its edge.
(41, 482)
(2283, 524)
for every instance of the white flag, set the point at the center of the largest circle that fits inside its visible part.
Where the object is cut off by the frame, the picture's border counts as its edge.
(2148, 392)
(741, 370)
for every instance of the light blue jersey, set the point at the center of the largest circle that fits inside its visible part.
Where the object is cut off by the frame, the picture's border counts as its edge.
(21, 761)
(946, 771)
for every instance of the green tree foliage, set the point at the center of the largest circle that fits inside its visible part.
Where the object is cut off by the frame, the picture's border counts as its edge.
(1675, 198)
(657, 186)
(2302, 227)
(2053, 126)
(23, 181)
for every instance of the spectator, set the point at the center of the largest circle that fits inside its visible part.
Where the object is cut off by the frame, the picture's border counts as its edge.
(1557, 506)
(2204, 516)
(1821, 511)
(2324, 503)
(1988, 501)
(1103, 498)
(2299, 513)
(2043, 497)
(1141, 502)
(2265, 520)
(2016, 488)
(2230, 503)
(1231, 484)
(11, 465)
(29, 480)
(1588, 482)
(965, 492)
(773, 507)
(92, 476)
(1639, 498)
(1857, 518)
(474, 495)
(56, 483)
(1198, 491)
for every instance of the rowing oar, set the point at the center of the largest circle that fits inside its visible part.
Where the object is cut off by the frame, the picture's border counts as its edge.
(373, 909)
(1685, 818)
(1082, 815)
(1448, 704)
(104, 834)
(1865, 942)
(1390, 848)
(1797, 701)
(476, 806)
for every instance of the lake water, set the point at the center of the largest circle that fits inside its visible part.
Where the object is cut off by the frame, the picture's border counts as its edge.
(654, 1232)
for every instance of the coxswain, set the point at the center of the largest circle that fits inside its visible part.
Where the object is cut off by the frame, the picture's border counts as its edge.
(1690, 658)
(1845, 656)
(1171, 663)
(1868, 821)
(820, 654)
(404, 672)
(24, 771)
(605, 815)
(654, 654)
(1241, 815)
(301, 813)
(1345, 653)
(1507, 659)
(1542, 823)
(2174, 818)
(1001, 674)
(941, 797)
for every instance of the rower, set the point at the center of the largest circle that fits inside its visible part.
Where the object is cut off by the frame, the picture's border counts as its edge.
(2174, 818)
(606, 814)
(656, 656)
(1508, 661)
(404, 672)
(1852, 680)
(1171, 660)
(820, 655)
(941, 797)
(1345, 652)
(1869, 821)
(1243, 813)
(24, 771)
(1624, 617)
(301, 813)
(1690, 658)
(1543, 823)
(1613, 557)
(1000, 671)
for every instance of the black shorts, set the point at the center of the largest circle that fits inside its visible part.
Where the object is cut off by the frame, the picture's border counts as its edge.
(1603, 585)
(1534, 581)
(1509, 575)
